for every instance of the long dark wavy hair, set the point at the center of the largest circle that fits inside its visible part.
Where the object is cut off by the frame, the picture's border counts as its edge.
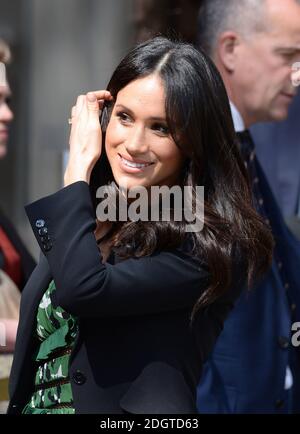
(199, 119)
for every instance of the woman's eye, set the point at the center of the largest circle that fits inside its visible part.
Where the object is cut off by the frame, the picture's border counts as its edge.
(163, 129)
(124, 118)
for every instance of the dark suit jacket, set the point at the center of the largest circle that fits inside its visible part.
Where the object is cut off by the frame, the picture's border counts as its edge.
(246, 370)
(135, 351)
(278, 150)
(27, 262)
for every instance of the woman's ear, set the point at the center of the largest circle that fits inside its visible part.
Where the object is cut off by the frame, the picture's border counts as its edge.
(227, 50)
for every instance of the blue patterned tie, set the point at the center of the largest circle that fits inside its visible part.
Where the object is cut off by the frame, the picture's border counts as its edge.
(250, 160)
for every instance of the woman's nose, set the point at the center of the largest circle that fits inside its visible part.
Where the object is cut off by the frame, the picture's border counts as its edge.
(136, 143)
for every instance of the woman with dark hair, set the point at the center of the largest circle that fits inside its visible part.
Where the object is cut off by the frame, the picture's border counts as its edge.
(120, 314)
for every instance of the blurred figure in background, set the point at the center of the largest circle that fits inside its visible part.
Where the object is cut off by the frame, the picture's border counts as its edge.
(16, 264)
(254, 368)
(15, 260)
(278, 150)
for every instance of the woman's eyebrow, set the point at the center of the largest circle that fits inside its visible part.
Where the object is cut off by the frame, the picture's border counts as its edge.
(129, 111)
(123, 107)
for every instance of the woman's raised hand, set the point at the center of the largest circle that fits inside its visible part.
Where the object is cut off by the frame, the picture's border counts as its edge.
(86, 136)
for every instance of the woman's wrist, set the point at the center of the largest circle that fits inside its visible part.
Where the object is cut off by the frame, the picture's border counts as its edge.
(77, 173)
(72, 180)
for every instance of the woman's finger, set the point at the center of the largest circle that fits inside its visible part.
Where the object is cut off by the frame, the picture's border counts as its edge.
(79, 104)
(102, 94)
(92, 102)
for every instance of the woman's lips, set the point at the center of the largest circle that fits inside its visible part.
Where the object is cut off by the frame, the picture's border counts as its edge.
(135, 160)
(137, 166)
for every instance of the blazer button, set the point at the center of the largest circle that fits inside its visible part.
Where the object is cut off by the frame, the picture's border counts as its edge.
(283, 342)
(79, 378)
(47, 247)
(40, 223)
(43, 231)
(45, 239)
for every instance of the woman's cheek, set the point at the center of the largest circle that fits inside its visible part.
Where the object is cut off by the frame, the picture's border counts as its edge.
(114, 135)
(167, 151)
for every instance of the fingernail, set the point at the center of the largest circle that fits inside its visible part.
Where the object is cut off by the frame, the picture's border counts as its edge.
(91, 97)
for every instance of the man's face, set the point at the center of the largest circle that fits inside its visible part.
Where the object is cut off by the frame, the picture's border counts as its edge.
(6, 116)
(261, 81)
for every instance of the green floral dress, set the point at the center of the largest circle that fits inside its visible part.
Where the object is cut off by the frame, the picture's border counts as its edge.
(56, 329)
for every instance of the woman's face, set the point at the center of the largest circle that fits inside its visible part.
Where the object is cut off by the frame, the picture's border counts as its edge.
(138, 143)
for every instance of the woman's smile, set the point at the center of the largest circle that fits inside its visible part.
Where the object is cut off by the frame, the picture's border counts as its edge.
(132, 166)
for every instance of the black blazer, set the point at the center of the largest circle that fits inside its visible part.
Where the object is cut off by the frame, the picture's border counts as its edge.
(135, 351)
(27, 262)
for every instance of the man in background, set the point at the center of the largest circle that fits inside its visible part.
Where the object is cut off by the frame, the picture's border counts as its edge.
(254, 367)
(278, 150)
(15, 260)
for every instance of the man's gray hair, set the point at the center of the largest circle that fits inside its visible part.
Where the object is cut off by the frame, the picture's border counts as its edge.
(217, 16)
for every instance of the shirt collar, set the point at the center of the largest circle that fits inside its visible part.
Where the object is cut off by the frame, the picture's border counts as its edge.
(238, 122)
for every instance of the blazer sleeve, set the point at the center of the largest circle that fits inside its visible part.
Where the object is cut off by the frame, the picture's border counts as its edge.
(64, 225)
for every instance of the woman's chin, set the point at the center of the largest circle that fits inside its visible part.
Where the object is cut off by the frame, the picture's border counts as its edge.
(127, 183)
